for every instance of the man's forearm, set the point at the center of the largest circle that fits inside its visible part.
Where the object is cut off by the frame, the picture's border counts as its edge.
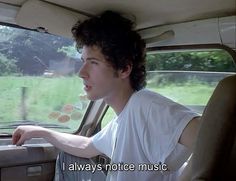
(73, 144)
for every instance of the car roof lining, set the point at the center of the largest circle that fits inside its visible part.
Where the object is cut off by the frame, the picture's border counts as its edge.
(154, 13)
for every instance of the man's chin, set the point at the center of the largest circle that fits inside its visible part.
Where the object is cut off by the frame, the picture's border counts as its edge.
(92, 97)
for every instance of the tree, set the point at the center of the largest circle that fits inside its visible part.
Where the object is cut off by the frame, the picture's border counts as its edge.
(70, 51)
(32, 50)
(7, 66)
(214, 60)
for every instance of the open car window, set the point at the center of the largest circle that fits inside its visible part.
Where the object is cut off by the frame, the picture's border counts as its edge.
(187, 77)
(39, 82)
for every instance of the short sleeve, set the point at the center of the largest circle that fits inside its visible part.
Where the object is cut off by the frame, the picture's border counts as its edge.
(165, 123)
(104, 139)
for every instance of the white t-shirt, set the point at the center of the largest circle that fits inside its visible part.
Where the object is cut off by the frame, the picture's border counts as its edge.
(142, 141)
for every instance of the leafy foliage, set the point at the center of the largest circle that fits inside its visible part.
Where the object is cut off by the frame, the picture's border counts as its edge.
(7, 66)
(70, 51)
(217, 60)
(32, 50)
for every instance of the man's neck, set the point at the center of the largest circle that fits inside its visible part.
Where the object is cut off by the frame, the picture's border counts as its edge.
(118, 101)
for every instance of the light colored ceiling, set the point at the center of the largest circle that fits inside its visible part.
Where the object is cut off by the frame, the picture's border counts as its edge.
(150, 13)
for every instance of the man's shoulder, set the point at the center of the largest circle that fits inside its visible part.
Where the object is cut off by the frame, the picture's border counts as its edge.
(142, 100)
(146, 96)
(148, 100)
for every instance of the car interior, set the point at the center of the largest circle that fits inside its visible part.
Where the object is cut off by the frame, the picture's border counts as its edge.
(191, 58)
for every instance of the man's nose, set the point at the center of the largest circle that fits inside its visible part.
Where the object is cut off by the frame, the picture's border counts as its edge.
(83, 72)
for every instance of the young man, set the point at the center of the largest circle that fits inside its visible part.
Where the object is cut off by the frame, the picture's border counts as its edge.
(152, 136)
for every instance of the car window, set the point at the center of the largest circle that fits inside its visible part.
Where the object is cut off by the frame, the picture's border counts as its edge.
(39, 82)
(109, 115)
(187, 77)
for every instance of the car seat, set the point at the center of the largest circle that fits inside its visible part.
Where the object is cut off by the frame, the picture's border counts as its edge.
(214, 155)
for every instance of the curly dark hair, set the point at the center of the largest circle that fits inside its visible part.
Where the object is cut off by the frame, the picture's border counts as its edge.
(119, 42)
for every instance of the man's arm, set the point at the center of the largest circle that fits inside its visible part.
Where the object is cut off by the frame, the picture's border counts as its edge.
(73, 144)
(188, 139)
(189, 134)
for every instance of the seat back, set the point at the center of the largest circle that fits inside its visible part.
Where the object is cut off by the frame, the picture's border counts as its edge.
(214, 155)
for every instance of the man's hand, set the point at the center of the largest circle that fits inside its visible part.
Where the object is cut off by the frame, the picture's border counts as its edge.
(23, 133)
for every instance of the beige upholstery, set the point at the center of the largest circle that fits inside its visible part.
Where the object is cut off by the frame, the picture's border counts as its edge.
(214, 155)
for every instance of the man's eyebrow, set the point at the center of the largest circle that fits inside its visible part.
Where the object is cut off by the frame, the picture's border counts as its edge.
(90, 58)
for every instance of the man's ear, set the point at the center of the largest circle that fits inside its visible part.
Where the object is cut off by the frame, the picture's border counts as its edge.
(125, 72)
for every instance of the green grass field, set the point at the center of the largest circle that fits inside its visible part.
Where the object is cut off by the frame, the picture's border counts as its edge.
(47, 95)
(186, 94)
(43, 96)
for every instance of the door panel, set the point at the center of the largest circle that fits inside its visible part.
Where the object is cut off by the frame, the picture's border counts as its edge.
(32, 161)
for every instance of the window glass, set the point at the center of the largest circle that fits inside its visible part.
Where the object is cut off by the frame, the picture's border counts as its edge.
(109, 115)
(188, 77)
(39, 82)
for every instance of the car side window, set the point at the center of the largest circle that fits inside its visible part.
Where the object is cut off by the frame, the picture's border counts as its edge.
(109, 115)
(188, 77)
(39, 81)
